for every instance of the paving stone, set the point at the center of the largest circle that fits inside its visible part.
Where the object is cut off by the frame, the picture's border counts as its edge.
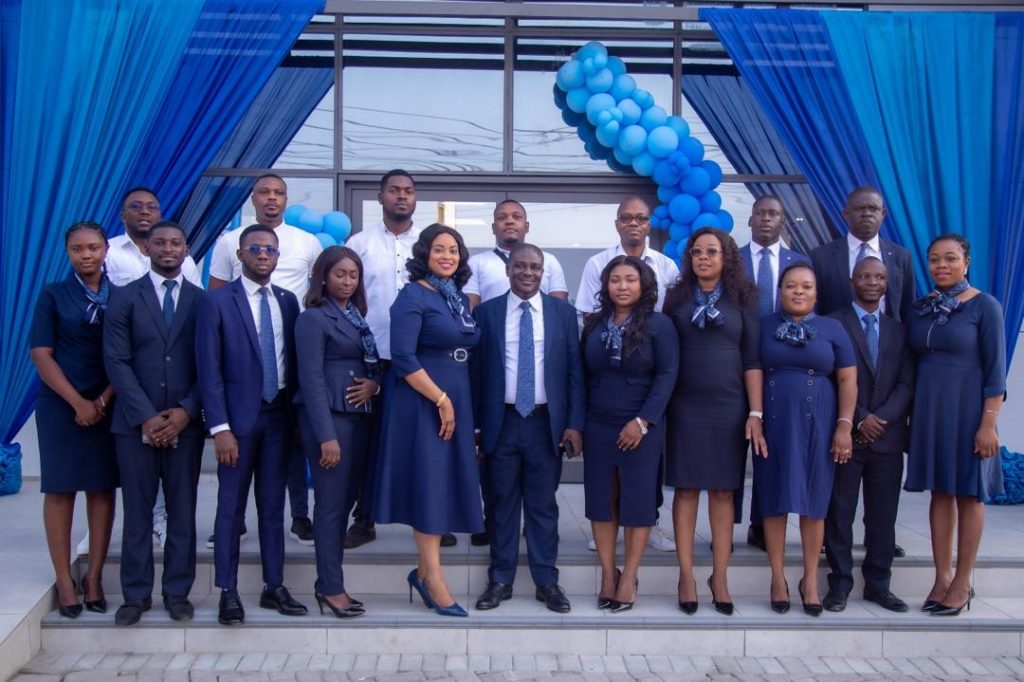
(309, 676)
(479, 663)
(771, 666)
(456, 662)
(749, 666)
(995, 666)
(364, 662)
(242, 676)
(683, 664)
(343, 662)
(614, 664)
(175, 676)
(88, 661)
(837, 665)
(202, 675)
(112, 662)
(927, 666)
(592, 664)
(522, 663)
(297, 662)
(251, 662)
(1014, 664)
(274, 663)
(793, 666)
(816, 666)
(904, 666)
(36, 677)
(102, 675)
(320, 662)
(150, 675)
(502, 663)
(546, 662)
(388, 663)
(227, 662)
(569, 663)
(281, 676)
(659, 664)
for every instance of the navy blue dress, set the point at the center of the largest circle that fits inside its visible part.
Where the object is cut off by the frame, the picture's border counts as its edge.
(71, 457)
(959, 365)
(799, 418)
(639, 387)
(423, 481)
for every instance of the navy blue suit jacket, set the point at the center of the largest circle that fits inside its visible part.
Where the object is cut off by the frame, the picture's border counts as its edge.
(786, 258)
(832, 269)
(228, 355)
(150, 367)
(563, 369)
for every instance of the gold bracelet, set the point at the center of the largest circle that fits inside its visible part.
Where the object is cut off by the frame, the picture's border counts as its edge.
(441, 399)
(845, 419)
(995, 412)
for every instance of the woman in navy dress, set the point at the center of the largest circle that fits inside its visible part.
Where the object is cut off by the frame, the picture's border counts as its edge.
(807, 434)
(76, 449)
(716, 406)
(339, 375)
(631, 357)
(957, 333)
(427, 475)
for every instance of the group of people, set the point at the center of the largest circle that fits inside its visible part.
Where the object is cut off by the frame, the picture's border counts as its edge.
(439, 391)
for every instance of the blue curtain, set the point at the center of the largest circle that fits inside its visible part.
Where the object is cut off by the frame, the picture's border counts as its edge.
(99, 96)
(747, 139)
(257, 140)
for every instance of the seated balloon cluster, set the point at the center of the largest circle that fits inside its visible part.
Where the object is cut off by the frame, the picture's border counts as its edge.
(620, 124)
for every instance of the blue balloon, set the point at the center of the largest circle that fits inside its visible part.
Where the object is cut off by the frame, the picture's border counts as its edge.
(623, 158)
(590, 50)
(696, 181)
(599, 104)
(601, 59)
(671, 249)
(571, 118)
(615, 114)
(661, 212)
(661, 141)
(608, 134)
(559, 96)
(681, 127)
(643, 164)
(725, 220)
(653, 118)
(600, 153)
(631, 111)
(616, 65)
(586, 132)
(684, 208)
(693, 149)
(623, 87)
(665, 173)
(602, 117)
(577, 99)
(293, 213)
(705, 220)
(643, 98)
(633, 140)
(338, 225)
(600, 81)
(311, 221)
(570, 75)
(682, 163)
(614, 164)
(326, 239)
(710, 202)
(714, 172)
(677, 232)
(666, 193)
(655, 222)
(589, 67)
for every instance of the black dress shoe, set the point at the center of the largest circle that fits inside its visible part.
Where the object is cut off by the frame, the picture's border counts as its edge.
(493, 596)
(358, 535)
(755, 537)
(449, 540)
(479, 539)
(179, 608)
(554, 598)
(281, 601)
(229, 610)
(302, 530)
(899, 552)
(129, 613)
(887, 600)
(835, 601)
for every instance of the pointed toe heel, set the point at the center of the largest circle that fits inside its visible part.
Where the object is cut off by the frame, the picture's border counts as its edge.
(724, 607)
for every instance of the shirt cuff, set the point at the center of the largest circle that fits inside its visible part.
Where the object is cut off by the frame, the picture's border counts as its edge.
(214, 430)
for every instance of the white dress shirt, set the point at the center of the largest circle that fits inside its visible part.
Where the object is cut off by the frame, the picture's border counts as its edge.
(158, 286)
(489, 279)
(513, 315)
(384, 255)
(775, 250)
(126, 263)
(299, 250)
(874, 249)
(665, 270)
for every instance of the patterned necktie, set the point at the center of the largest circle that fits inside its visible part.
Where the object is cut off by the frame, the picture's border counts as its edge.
(169, 285)
(863, 252)
(765, 285)
(525, 381)
(268, 353)
(871, 332)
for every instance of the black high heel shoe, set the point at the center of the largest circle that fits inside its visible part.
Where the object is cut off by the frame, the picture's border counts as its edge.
(71, 610)
(352, 611)
(96, 605)
(723, 607)
(620, 606)
(810, 609)
(945, 610)
(607, 602)
(932, 604)
(689, 607)
(779, 606)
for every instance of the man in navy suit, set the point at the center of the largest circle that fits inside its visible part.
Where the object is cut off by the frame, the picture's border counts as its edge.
(529, 399)
(245, 345)
(885, 387)
(833, 262)
(149, 351)
(764, 259)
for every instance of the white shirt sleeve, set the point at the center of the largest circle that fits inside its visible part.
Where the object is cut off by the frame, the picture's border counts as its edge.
(222, 262)
(590, 284)
(357, 243)
(472, 285)
(192, 272)
(556, 273)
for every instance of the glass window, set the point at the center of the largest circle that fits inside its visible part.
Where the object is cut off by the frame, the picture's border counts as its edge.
(313, 144)
(313, 193)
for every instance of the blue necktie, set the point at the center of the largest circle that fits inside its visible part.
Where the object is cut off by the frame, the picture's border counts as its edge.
(765, 285)
(525, 381)
(169, 285)
(871, 332)
(862, 253)
(268, 354)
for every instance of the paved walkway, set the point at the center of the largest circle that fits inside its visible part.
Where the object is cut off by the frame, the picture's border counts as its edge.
(50, 667)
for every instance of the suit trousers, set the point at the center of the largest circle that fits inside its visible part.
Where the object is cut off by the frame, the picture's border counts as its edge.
(262, 454)
(882, 474)
(334, 492)
(298, 485)
(144, 470)
(523, 474)
(363, 514)
(737, 504)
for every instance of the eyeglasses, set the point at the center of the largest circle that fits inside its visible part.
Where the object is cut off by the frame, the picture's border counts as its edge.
(138, 206)
(257, 249)
(697, 252)
(639, 219)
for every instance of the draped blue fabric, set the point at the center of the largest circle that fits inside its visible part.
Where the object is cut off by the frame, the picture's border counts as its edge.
(747, 139)
(257, 140)
(102, 95)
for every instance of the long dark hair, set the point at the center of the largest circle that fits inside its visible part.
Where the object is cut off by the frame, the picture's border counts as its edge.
(325, 262)
(636, 332)
(734, 280)
(418, 265)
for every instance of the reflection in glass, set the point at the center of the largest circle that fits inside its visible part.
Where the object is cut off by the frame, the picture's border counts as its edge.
(313, 144)
(313, 193)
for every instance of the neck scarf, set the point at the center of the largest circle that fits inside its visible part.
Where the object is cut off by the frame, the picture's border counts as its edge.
(97, 299)
(705, 312)
(612, 338)
(447, 288)
(352, 314)
(795, 333)
(941, 304)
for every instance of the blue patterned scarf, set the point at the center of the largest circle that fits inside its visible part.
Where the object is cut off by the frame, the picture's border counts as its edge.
(97, 299)
(941, 304)
(447, 288)
(612, 338)
(352, 314)
(796, 333)
(705, 311)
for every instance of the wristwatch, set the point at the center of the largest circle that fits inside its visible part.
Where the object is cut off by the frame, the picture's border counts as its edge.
(642, 425)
